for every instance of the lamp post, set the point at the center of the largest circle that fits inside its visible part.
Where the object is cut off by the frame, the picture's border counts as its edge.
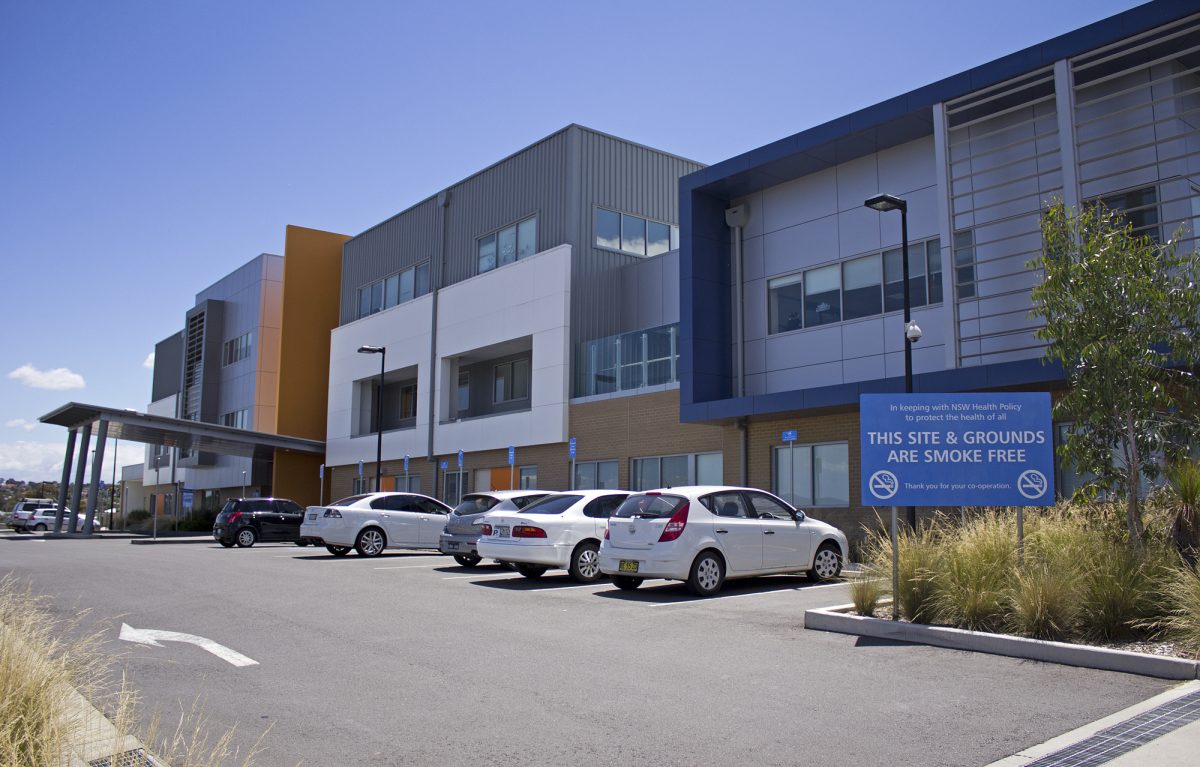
(382, 352)
(243, 483)
(885, 203)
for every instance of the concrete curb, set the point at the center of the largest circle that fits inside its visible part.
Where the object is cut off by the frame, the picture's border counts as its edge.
(172, 539)
(838, 619)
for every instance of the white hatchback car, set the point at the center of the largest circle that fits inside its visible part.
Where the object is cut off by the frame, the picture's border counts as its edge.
(376, 521)
(704, 535)
(562, 530)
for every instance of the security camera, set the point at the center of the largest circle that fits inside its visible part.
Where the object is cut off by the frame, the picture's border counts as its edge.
(912, 331)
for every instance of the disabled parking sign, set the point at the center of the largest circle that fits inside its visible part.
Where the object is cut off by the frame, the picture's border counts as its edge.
(993, 449)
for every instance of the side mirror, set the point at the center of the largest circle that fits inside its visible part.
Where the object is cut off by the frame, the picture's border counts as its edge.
(800, 516)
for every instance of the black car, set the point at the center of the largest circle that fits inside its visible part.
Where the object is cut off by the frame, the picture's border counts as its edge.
(246, 521)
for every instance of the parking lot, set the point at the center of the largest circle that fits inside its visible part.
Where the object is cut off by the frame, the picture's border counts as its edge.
(410, 659)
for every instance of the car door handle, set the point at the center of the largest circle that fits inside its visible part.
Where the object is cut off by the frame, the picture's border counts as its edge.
(768, 532)
(722, 531)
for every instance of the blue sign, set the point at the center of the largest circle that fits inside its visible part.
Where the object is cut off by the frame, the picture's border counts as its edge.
(406, 463)
(360, 469)
(445, 465)
(187, 497)
(321, 472)
(993, 449)
(512, 455)
(571, 447)
(460, 457)
(789, 435)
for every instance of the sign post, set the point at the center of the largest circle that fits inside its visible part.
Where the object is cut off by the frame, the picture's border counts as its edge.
(789, 437)
(991, 449)
(407, 484)
(571, 452)
(321, 492)
(512, 467)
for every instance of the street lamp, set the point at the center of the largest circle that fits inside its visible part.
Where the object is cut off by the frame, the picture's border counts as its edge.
(382, 352)
(885, 203)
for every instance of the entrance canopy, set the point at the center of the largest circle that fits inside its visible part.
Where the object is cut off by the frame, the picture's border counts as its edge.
(179, 432)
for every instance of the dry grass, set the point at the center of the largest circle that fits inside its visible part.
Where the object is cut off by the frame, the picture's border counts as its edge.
(45, 662)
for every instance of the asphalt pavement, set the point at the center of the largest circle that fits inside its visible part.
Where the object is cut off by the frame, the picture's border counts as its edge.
(409, 659)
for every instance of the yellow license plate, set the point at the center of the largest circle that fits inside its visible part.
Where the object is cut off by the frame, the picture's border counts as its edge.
(628, 566)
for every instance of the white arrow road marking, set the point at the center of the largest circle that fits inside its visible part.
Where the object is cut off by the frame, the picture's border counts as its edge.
(151, 637)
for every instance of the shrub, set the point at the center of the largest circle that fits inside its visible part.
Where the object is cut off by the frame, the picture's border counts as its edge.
(865, 590)
(979, 564)
(1182, 619)
(920, 560)
(1044, 602)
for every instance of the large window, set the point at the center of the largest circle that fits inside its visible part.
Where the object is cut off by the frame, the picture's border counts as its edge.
(237, 349)
(633, 234)
(238, 419)
(595, 475)
(463, 399)
(510, 381)
(407, 484)
(1139, 208)
(454, 484)
(508, 245)
(813, 475)
(860, 287)
(628, 361)
(395, 289)
(399, 405)
(677, 470)
(527, 477)
(964, 263)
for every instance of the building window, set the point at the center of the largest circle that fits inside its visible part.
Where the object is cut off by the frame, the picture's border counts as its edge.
(237, 349)
(1139, 207)
(511, 381)
(677, 470)
(628, 361)
(409, 484)
(464, 392)
(362, 485)
(964, 263)
(813, 475)
(508, 245)
(633, 234)
(399, 405)
(394, 289)
(595, 475)
(527, 477)
(454, 484)
(864, 286)
(238, 419)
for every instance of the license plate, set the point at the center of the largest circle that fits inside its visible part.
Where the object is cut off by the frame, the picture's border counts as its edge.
(628, 566)
(451, 545)
(502, 531)
(312, 516)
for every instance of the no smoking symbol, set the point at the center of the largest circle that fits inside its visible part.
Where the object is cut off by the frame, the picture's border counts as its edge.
(1032, 484)
(883, 484)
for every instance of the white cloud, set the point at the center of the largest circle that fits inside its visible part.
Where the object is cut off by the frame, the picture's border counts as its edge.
(42, 461)
(56, 379)
(148, 363)
(20, 423)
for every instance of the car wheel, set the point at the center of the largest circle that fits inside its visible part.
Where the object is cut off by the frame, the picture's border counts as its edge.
(225, 543)
(708, 573)
(626, 582)
(39, 528)
(531, 571)
(585, 563)
(338, 551)
(467, 560)
(827, 564)
(301, 543)
(246, 537)
(370, 543)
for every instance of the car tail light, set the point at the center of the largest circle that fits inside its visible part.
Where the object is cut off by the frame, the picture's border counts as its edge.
(675, 525)
(528, 531)
(333, 514)
(234, 517)
(606, 532)
(485, 529)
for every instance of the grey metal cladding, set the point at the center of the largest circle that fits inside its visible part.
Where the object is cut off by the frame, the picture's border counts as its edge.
(405, 239)
(168, 367)
(627, 177)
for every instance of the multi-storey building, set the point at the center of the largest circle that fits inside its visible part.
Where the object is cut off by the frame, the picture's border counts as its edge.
(530, 303)
(792, 289)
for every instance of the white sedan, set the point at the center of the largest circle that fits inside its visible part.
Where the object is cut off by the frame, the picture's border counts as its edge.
(376, 521)
(704, 535)
(560, 531)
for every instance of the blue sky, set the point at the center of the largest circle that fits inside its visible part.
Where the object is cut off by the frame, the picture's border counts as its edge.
(148, 149)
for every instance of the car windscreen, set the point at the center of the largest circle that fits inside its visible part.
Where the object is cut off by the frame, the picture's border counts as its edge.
(552, 504)
(650, 506)
(348, 501)
(475, 504)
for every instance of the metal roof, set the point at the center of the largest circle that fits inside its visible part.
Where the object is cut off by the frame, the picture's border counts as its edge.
(178, 432)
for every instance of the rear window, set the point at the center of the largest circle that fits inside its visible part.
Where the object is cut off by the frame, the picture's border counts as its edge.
(475, 504)
(525, 500)
(650, 506)
(349, 501)
(552, 504)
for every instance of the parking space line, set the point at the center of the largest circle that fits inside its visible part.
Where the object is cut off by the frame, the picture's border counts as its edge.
(718, 600)
(493, 575)
(408, 567)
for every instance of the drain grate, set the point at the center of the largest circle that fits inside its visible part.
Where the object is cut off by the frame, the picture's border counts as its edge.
(135, 758)
(1126, 736)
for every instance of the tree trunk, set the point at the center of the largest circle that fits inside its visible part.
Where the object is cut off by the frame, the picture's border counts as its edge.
(1133, 514)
